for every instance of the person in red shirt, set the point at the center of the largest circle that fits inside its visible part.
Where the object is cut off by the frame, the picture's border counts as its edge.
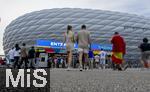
(118, 50)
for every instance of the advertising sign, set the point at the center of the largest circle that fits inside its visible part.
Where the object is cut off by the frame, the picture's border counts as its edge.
(58, 44)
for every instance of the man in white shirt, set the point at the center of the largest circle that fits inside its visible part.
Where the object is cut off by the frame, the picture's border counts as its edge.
(11, 56)
(103, 59)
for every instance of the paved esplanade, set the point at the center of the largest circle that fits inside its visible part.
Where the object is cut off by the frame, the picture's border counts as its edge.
(131, 80)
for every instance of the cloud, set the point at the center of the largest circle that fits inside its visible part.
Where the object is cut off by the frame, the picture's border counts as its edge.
(140, 7)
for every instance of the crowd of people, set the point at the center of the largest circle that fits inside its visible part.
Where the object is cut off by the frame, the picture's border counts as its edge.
(85, 57)
(83, 40)
(19, 56)
(98, 61)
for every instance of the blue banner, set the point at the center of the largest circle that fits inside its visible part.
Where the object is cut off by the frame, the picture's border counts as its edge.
(58, 44)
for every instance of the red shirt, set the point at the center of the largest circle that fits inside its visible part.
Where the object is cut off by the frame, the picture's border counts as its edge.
(118, 44)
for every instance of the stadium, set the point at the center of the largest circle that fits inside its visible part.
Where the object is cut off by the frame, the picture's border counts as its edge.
(40, 27)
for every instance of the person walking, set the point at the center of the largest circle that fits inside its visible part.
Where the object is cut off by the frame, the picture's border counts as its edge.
(145, 53)
(16, 55)
(37, 56)
(119, 50)
(11, 56)
(31, 57)
(24, 56)
(97, 61)
(69, 40)
(103, 59)
(91, 59)
(84, 43)
(49, 62)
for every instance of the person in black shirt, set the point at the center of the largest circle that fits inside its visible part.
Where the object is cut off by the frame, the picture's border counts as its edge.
(145, 50)
(37, 55)
(16, 55)
(31, 56)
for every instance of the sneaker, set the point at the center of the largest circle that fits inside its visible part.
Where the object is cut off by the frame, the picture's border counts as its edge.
(86, 68)
(119, 68)
(125, 67)
(81, 69)
(68, 69)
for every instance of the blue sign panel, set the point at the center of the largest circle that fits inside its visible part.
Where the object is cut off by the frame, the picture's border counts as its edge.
(101, 46)
(57, 44)
(50, 43)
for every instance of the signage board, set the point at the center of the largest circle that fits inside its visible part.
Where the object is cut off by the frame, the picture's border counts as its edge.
(58, 44)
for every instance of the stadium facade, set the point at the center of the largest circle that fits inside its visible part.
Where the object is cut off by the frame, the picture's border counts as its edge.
(50, 24)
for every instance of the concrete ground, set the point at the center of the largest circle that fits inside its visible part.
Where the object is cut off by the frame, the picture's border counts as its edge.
(131, 80)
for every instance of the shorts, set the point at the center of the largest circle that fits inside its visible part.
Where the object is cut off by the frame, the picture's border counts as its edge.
(69, 46)
(145, 56)
(83, 50)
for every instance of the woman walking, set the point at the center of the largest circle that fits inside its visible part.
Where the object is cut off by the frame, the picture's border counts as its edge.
(69, 40)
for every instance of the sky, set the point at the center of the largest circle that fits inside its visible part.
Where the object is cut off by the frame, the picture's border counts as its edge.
(11, 9)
